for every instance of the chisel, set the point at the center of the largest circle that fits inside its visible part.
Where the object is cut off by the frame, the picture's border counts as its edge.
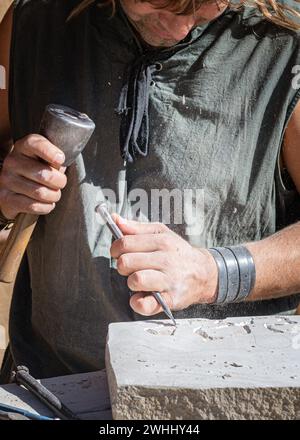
(115, 230)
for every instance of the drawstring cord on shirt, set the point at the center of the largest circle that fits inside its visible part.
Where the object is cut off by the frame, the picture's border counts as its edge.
(134, 98)
(133, 109)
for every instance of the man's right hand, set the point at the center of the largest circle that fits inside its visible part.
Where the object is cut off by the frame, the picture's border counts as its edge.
(32, 177)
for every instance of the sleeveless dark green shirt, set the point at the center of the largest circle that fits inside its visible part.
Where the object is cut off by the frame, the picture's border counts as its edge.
(218, 108)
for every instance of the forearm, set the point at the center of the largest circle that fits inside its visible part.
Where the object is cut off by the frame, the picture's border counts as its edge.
(154, 258)
(277, 263)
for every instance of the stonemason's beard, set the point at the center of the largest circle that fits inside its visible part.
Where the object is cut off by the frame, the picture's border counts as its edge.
(145, 26)
(152, 24)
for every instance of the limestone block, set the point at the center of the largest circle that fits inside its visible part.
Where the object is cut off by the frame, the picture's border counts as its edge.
(237, 368)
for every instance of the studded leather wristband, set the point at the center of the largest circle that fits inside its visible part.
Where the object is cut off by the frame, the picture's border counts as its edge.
(237, 273)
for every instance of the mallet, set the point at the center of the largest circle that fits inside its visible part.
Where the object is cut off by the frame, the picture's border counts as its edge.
(70, 131)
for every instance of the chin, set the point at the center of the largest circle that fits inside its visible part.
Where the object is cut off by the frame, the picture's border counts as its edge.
(162, 43)
(158, 42)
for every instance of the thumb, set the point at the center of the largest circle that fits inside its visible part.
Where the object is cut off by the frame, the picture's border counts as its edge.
(132, 227)
(128, 227)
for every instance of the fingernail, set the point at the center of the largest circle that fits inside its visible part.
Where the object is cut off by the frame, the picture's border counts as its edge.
(59, 157)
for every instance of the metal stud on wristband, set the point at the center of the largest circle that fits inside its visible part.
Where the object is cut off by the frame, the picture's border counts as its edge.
(222, 277)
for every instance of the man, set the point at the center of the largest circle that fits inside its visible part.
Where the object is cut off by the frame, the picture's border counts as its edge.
(199, 97)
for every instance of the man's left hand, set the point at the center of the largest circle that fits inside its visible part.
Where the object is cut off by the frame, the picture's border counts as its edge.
(154, 258)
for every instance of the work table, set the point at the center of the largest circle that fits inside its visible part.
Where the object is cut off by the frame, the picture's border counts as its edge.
(85, 394)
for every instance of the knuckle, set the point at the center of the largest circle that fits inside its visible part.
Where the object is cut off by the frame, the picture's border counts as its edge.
(130, 284)
(160, 228)
(136, 281)
(64, 181)
(26, 143)
(34, 207)
(53, 177)
(38, 208)
(45, 148)
(165, 240)
(50, 208)
(123, 264)
(123, 244)
(37, 144)
(40, 193)
(33, 137)
(44, 175)
(57, 196)
(113, 250)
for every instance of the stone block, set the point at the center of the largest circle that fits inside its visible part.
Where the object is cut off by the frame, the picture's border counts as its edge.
(237, 368)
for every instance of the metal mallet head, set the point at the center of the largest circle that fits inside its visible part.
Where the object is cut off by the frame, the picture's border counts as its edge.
(68, 129)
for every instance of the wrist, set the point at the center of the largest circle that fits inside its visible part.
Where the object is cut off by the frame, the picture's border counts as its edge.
(208, 278)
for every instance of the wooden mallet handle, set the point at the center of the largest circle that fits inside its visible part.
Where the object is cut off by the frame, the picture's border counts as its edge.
(15, 246)
(70, 131)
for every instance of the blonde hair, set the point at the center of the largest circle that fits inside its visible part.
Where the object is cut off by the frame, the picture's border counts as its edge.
(272, 10)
